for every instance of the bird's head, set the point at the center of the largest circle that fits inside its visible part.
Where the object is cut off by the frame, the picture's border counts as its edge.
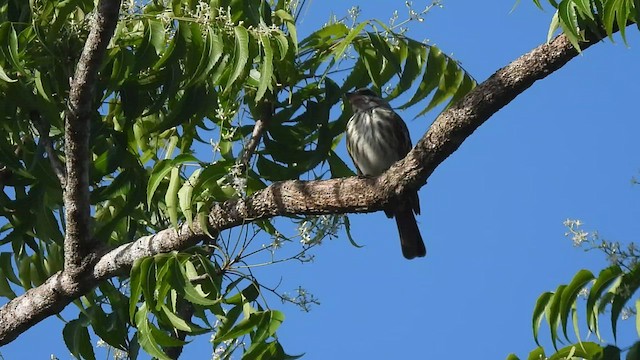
(363, 99)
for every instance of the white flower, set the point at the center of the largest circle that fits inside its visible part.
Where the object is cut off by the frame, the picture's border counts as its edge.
(584, 292)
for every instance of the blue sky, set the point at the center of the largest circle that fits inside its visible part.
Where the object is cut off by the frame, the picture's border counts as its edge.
(491, 214)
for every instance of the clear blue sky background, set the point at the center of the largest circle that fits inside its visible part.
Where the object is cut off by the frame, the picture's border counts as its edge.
(492, 213)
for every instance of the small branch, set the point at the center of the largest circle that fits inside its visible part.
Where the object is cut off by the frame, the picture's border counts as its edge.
(78, 242)
(43, 130)
(259, 128)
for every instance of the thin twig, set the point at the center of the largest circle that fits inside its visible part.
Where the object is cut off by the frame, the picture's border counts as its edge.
(259, 128)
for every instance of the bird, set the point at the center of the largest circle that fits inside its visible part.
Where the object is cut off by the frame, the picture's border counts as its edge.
(377, 137)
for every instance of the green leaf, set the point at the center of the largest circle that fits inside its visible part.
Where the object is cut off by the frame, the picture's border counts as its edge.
(325, 36)
(541, 305)
(291, 27)
(243, 327)
(605, 278)
(587, 350)
(5, 77)
(24, 272)
(537, 2)
(570, 294)
(628, 286)
(267, 327)
(436, 66)
(567, 16)
(135, 287)
(611, 8)
(610, 352)
(226, 322)
(416, 56)
(355, 77)
(553, 26)
(210, 56)
(5, 288)
(171, 196)
(447, 87)
(283, 15)
(634, 352)
(266, 68)
(7, 268)
(111, 328)
(161, 169)
(185, 195)
(272, 171)
(574, 320)
(175, 320)
(638, 317)
(182, 324)
(585, 8)
(372, 63)
(156, 35)
(272, 350)
(142, 283)
(283, 45)
(249, 294)
(13, 50)
(338, 167)
(191, 293)
(163, 267)
(636, 7)
(468, 84)
(241, 54)
(150, 337)
(553, 314)
(344, 43)
(622, 17)
(537, 354)
(76, 337)
(203, 208)
(381, 45)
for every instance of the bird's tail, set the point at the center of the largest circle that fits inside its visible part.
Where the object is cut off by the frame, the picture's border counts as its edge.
(410, 238)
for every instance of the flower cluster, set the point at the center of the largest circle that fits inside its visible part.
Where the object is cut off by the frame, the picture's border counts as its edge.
(578, 236)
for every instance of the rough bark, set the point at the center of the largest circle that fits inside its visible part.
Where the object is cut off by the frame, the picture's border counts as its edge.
(78, 243)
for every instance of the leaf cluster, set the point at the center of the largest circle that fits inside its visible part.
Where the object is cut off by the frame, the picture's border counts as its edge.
(610, 292)
(579, 19)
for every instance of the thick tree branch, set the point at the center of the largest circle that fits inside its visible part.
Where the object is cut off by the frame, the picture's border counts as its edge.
(77, 243)
(348, 195)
